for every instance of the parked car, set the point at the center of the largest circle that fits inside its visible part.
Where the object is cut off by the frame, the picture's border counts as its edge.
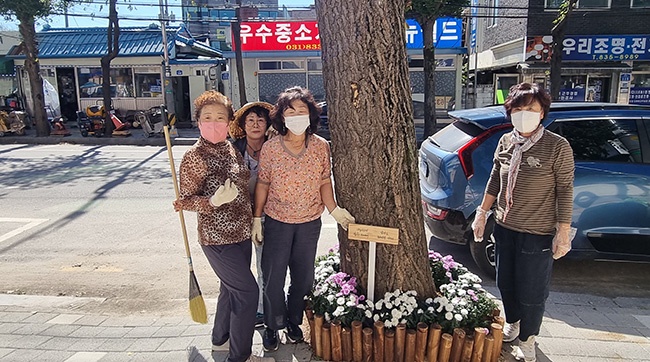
(611, 146)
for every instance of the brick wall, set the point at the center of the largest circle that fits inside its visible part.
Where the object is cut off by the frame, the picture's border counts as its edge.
(506, 29)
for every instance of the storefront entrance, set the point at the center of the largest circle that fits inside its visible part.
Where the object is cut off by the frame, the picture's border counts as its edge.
(67, 87)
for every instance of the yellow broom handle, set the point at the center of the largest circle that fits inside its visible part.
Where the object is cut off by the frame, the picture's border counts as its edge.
(178, 194)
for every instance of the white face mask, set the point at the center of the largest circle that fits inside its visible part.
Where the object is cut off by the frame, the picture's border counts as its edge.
(297, 124)
(526, 121)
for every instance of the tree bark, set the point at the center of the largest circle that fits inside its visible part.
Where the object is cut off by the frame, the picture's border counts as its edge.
(558, 32)
(429, 53)
(373, 138)
(112, 49)
(28, 33)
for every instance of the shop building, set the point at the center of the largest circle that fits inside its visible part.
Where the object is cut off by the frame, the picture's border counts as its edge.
(606, 49)
(70, 60)
(280, 54)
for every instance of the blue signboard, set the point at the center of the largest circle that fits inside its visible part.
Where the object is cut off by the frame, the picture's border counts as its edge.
(447, 33)
(639, 95)
(572, 95)
(474, 20)
(606, 47)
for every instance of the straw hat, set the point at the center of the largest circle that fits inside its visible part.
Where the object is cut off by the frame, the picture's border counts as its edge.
(235, 130)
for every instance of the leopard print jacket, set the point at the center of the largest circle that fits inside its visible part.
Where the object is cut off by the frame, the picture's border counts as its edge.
(204, 168)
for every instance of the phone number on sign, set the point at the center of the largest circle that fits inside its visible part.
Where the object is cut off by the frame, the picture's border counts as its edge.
(303, 46)
(615, 56)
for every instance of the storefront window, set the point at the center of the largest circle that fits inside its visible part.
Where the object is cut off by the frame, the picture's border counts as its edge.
(315, 64)
(90, 80)
(573, 88)
(147, 85)
(640, 88)
(586, 4)
(640, 3)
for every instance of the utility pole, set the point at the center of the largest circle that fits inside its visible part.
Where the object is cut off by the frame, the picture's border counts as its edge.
(167, 71)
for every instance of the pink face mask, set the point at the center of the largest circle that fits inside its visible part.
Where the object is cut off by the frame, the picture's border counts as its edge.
(214, 132)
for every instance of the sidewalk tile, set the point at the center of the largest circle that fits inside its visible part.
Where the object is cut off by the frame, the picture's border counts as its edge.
(626, 320)
(58, 344)
(146, 345)
(197, 330)
(40, 317)
(8, 328)
(175, 356)
(5, 351)
(175, 344)
(633, 351)
(168, 321)
(31, 328)
(86, 357)
(147, 356)
(170, 331)
(645, 320)
(634, 303)
(87, 332)
(7, 340)
(142, 332)
(28, 342)
(87, 344)
(14, 317)
(23, 355)
(593, 318)
(127, 322)
(65, 319)
(114, 332)
(61, 330)
(116, 345)
(91, 320)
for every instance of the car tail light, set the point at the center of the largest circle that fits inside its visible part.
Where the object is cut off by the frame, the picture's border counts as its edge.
(434, 212)
(465, 152)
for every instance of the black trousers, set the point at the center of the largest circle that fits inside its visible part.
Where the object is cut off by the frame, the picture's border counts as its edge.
(292, 246)
(237, 302)
(524, 265)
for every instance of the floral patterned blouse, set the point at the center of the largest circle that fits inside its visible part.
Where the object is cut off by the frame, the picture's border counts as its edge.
(294, 180)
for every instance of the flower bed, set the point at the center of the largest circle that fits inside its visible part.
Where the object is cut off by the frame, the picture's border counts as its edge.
(460, 322)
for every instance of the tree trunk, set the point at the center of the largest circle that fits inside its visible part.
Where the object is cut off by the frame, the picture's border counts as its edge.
(236, 29)
(28, 33)
(558, 32)
(112, 49)
(429, 53)
(373, 138)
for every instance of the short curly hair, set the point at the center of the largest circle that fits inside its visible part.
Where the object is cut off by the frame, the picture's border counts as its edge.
(284, 101)
(523, 94)
(212, 97)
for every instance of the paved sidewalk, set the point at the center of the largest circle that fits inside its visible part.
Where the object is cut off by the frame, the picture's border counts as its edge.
(54, 329)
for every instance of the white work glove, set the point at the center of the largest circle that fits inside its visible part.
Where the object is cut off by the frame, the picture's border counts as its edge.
(224, 194)
(478, 225)
(343, 217)
(562, 240)
(256, 231)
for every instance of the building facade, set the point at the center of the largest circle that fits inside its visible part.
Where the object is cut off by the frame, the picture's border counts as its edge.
(606, 49)
(70, 61)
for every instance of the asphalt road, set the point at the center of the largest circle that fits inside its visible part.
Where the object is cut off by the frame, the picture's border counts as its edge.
(97, 221)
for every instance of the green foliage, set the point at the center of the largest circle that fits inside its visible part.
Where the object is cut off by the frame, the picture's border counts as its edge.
(563, 12)
(25, 8)
(422, 10)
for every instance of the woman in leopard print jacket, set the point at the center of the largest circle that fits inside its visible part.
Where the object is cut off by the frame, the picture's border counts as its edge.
(214, 184)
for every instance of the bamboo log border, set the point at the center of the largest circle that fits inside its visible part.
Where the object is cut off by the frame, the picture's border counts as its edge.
(332, 342)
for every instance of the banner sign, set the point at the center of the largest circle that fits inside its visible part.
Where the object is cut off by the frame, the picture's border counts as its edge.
(304, 35)
(572, 95)
(639, 95)
(591, 47)
(474, 20)
(447, 33)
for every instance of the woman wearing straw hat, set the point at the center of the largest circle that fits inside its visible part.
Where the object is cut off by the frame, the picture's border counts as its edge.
(249, 130)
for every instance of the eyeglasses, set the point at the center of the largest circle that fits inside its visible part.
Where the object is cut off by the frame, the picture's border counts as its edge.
(258, 121)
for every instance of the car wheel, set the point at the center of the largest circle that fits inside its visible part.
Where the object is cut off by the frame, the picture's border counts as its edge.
(483, 253)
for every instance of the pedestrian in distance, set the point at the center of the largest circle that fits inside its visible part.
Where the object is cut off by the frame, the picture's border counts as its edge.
(214, 184)
(293, 189)
(248, 131)
(532, 185)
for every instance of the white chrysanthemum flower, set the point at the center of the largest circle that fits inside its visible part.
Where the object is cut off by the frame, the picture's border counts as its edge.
(449, 307)
(330, 298)
(350, 303)
(458, 317)
(389, 305)
(340, 301)
(376, 317)
(378, 305)
(449, 316)
(429, 300)
(368, 314)
(396, 313)
(464, 311)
